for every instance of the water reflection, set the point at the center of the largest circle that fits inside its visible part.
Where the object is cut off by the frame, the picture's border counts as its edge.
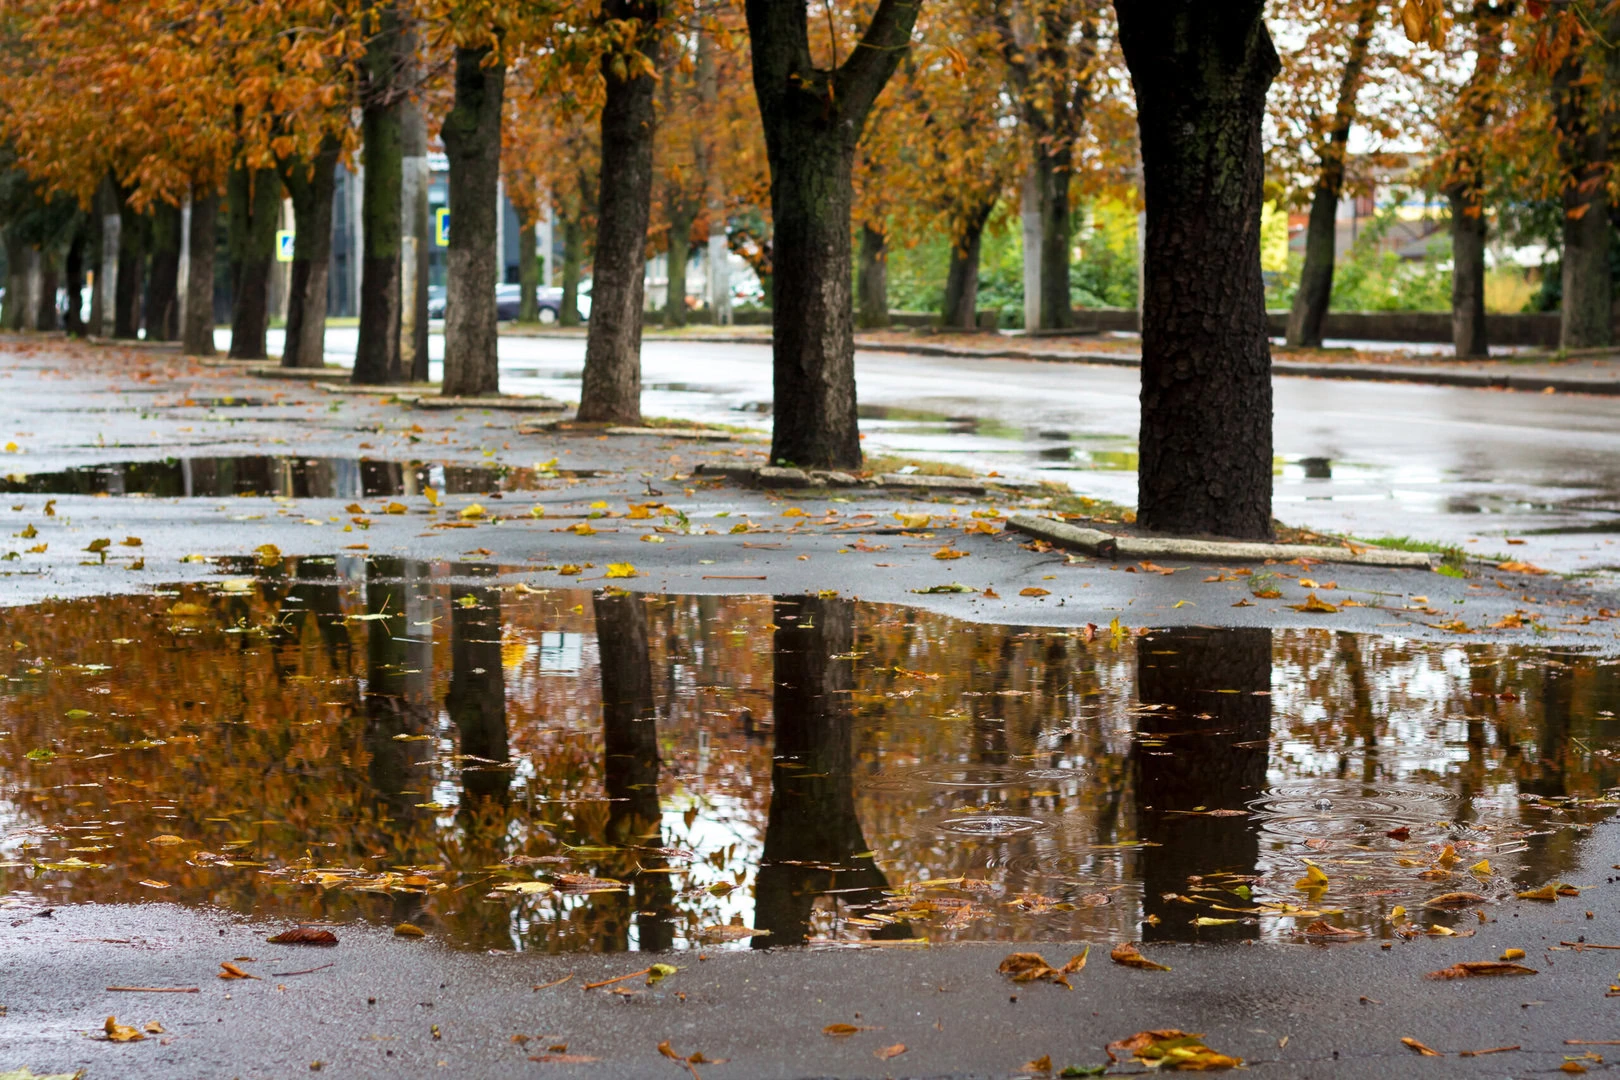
(508, 767)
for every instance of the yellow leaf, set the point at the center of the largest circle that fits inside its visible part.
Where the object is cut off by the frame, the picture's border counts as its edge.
(946, 553)
(1034, 590)
(794, 511)
(1513, 954)
(432, 497)
(1482, 867)
(912, 521)
(1411, 1043)
(229, 970)
(1315, 603)
(1314, 878)
(471, 511)
(406, 929)
(394, 508)
(117, 1032)
(1127, 955)
(167, 838)
(537, 511)
(620, 570)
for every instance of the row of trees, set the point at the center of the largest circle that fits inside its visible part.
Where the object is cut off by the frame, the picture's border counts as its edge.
(634, 119)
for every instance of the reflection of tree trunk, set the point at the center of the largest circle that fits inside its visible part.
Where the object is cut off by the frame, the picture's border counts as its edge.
(813, 838)
(630, 758)
(476, 700)
(322, 600)
(1183, 668)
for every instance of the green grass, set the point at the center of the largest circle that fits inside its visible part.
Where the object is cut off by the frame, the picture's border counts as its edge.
(888, 463)
(1453, 559)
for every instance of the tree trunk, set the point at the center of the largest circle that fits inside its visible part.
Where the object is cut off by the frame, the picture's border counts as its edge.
(104, 303)
(311, 185)
(73, 284)
(197, 338)
(11, 316)
(1467, 275)
(376, 359)
(472, 140)
(46, 316)
(611, 387)
(677, 252)
(1316, 279)
(134, 237)
(415, 263)
(1583, 150)
(962, 280)
(813, 120)
(573, 258)
(873, 282)
(255, 207)
(528, 274)
(1052, 174)
(1201, 72)
(163, 309)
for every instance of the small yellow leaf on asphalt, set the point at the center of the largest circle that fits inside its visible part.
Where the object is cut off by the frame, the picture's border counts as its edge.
(432, 497)
(582, 528)
(912, 521)
(888, 1052)
(406, 929)
(1127, 955)
(1513, 954)
(229, 970)
(1034, 590)
(1548, 892)
(131, 541)
(792, 511)
(117, 1032)
(354, 508)
(1316, 604)
(950, 553)
(842, 1030)
(620, 570)
(395, 508)
(651, 538)
(1413, 1044)
(537, 511)
(152, 1027)
(660, 972)
(470, 511)
(1470, 969)
(1040, 1064)
(1456, 900)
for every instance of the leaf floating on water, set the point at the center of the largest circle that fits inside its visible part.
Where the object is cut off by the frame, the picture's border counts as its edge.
(524, 888)
(74, 863)
(1473, 969)
(1171, 1048)
(1323, 930)
(166, 839)
(1314, 877)
(1456, 900)
(585, 883)
(728, 932)
(304, 935)
(1128, 956)
(1206, 920)
(1401, 832)
(117, 1032)
(1550, 892)
(186, 611)
(1412, 1044)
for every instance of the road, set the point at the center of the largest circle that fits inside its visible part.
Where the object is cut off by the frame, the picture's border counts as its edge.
(1458, 466)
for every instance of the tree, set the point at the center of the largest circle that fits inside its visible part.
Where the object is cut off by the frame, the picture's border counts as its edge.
(472, 140)
(1201, 72)
(679, 156)
(383, 92)
(813, 108)
(311, 185)
(610, 389)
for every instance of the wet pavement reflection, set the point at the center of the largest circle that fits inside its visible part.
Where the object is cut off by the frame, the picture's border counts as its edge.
(520, 768)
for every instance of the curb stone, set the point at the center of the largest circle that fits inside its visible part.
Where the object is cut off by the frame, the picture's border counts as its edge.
(512, 404)
(1108, 546)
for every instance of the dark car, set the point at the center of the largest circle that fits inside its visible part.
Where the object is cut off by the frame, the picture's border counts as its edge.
(507, 300)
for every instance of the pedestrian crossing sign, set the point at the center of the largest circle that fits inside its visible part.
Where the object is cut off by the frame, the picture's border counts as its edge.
(441, 227)
(284, 245)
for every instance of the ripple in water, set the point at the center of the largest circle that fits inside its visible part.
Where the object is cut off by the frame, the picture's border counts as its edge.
(967, 776)
(1354, 810)
(992, 826)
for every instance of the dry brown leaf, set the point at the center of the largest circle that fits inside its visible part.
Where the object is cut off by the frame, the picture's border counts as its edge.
(1040, 1064)
(1413, 1044)
(117, 1032)
(1034, 590)
(1326, 931)
(887, 1052)
(304, 935)
(1173, 1049)
(564, 1059)
(1470, 969)
(1456, 900)
(229, 970)
(841, 1030)
(1128, 956)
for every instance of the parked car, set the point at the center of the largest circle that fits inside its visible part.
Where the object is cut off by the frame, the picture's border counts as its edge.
(435, 301)
(509, 297)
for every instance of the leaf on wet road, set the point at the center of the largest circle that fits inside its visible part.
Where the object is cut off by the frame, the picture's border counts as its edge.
(1127, 955)
(1473, 969)
(117, 1032)
(886, 1052)
(950, 553)
(839, 1031)
(1170, 1048)
(304, 935)
(1456, 900)
(229, 970)
(1323, 930)
(406, 929)
(1315, 603)
(1513, 566)
(1034, 590)
(621, 570)
(1417, 1047)
(1550, 892)
(1028, 967)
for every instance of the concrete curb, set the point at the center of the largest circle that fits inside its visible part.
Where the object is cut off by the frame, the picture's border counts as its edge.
(697, 434)
(302, 374)
(511, 404)
(771, 476)
(1108, 546)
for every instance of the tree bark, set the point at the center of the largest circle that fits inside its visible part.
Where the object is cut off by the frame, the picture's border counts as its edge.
(73, 317)
(46, 316)
(528, 273)
(573, 258)
(376, 359)
(415, 263)
(134, 236)
(1467, 275)
(1052, 172)
(1316, 279)
(962, 280)
(813, 119)
(312, 185)
(1200, 73)
(163, 308)
(677, 252)
(611, 387)
(1583, 150)
(197, 338)
(255, 207)
(472, 140)
(873, 281)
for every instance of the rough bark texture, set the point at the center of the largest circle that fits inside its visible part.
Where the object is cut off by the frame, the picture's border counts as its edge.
(872, 283)
(134, 236)
(1200, 73)
(1052, 172)
(814, 843)
(73, 280)
(528, 274)
(472, 140)
(1321, 234)
(415, 264)
(197, 336)
(1583, 149)
(677, 252)
(163, 301)
(1221, 743)
(573, 257)
(311, 185)
(611, 387)
(962, 280)
(813, 119)
(376, 357)
(255, 208)
(46, 317)
(1467, 275)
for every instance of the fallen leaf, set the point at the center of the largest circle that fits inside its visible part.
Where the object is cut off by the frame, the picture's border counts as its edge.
(949, 553)
(1549, 892)
(912, 521)
(1173, 1049)
(1326, 931)
(621, 570)
(1413, 1044)
(152, 1027)
(432, 496)
(406, 929)
(229, 970)
(304, 935)
(1315, 603)
(1512, 954)
(117, 1032)
(1481, 867)
(1040, 1064)
(1034, 590)
(1456, 900)
(841, 1030)
(564, 1059)
(166, 838)
(1128, 956)
(1470, 969)
(1314, 878)
(526, 888)
(1515, 567)
(1401, 832)
(887, 1052)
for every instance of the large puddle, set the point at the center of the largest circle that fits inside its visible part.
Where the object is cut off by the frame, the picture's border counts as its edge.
(506, 767)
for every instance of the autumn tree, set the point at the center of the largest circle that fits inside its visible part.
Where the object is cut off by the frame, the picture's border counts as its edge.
(679, 156)
(384, 90)
(813, 102)
(1201, 72)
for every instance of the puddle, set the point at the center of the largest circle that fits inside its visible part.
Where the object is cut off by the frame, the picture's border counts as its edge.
(294, 477)
(519, 768)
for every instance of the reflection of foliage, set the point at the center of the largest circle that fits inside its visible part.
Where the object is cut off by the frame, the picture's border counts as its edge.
(309, 757)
